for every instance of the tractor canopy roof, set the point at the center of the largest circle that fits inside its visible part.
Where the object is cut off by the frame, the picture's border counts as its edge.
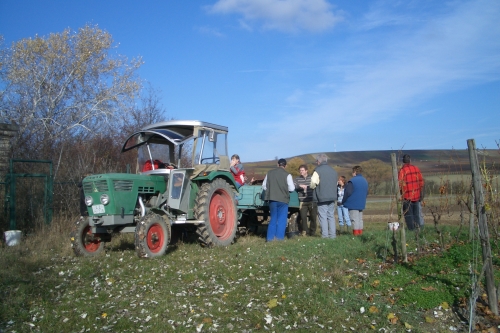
(174, 132)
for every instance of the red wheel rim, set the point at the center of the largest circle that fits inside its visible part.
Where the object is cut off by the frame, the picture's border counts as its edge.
(221, 214)
(155, 238)
(93, 244)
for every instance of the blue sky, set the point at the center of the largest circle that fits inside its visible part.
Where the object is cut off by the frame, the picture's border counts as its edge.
(290, 77)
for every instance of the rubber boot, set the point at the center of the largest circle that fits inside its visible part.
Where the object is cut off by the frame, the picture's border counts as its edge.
(357, 232)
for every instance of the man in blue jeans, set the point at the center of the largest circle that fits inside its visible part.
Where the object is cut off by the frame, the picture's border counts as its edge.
(324, 184)
(278, 184)
(343, 212)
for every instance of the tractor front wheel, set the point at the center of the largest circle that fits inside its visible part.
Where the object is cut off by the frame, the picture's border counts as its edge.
(83, 241)
(216, 205)
(152, 236)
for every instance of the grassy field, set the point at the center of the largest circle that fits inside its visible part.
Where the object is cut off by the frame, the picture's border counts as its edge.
(303, 284)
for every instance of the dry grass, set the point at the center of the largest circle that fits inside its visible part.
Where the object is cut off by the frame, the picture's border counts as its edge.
(302, 284)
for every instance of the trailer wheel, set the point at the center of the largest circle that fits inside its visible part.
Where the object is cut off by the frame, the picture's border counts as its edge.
(215, 204)
(152, 236)
(83, 241)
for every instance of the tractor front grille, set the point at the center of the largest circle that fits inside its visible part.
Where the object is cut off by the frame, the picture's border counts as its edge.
(123, 185)
(146, 189)
(95, 186)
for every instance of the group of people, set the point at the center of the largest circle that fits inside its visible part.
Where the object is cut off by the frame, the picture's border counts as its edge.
(320, 192)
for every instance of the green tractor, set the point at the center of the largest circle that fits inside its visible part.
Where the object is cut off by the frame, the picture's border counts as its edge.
(182, 179)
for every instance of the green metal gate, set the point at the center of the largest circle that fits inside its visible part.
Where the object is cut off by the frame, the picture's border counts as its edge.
(10, 190)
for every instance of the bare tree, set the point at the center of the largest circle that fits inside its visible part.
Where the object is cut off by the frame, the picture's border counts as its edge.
(149, 110)
(66, 85)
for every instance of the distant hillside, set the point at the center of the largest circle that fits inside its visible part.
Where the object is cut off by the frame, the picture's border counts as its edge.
(429, 161)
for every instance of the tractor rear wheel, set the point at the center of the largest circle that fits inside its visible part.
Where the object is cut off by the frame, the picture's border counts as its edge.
(216, 205)
(152, 236)
(83, 241)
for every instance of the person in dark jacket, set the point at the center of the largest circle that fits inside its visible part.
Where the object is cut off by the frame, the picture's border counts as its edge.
(354, 200)
(324, 184)
(278, 184)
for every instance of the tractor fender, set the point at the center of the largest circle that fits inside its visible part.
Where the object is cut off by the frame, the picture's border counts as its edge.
(226, 175)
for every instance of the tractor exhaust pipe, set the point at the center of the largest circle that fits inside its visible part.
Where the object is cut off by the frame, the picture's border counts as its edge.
(143, 208)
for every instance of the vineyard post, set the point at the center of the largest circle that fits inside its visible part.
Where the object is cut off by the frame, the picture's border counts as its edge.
(471, 216)
(395, 182)
(483, 227)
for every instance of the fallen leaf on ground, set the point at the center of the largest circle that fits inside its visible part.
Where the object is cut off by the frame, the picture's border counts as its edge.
(272, 303)
(392, 318)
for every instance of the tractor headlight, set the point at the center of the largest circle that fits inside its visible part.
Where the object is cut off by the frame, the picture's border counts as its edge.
(88, 200)
(104, 199)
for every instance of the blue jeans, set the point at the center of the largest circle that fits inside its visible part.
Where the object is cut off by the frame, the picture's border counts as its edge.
(326, 219)
(412, 213)
(343, 216)
(238, 196)
(277, 225)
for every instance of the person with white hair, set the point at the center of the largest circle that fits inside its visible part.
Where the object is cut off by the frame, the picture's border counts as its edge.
(324, 184)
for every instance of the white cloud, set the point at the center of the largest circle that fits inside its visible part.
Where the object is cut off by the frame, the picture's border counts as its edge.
(210, 31)
(295, 97)
(282, 15)
(387, 14)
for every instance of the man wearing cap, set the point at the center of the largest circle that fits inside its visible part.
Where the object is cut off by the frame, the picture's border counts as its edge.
(324, 184)
(411, 184)
(278, 184)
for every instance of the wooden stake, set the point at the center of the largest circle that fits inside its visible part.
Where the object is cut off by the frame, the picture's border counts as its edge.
(396, 190)
(483, 227)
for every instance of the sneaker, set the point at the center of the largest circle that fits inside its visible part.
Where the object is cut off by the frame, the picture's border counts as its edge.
(303, 233)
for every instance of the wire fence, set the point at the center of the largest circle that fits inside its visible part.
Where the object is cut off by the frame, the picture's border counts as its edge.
(31, 206)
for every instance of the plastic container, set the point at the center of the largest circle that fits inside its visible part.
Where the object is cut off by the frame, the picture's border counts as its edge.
(12, 237)
(393, 225)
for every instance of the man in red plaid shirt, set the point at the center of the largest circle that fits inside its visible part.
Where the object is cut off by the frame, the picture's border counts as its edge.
(411, 184)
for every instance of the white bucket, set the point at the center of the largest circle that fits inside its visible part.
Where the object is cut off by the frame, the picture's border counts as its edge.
(12, 237)
(393, 225)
